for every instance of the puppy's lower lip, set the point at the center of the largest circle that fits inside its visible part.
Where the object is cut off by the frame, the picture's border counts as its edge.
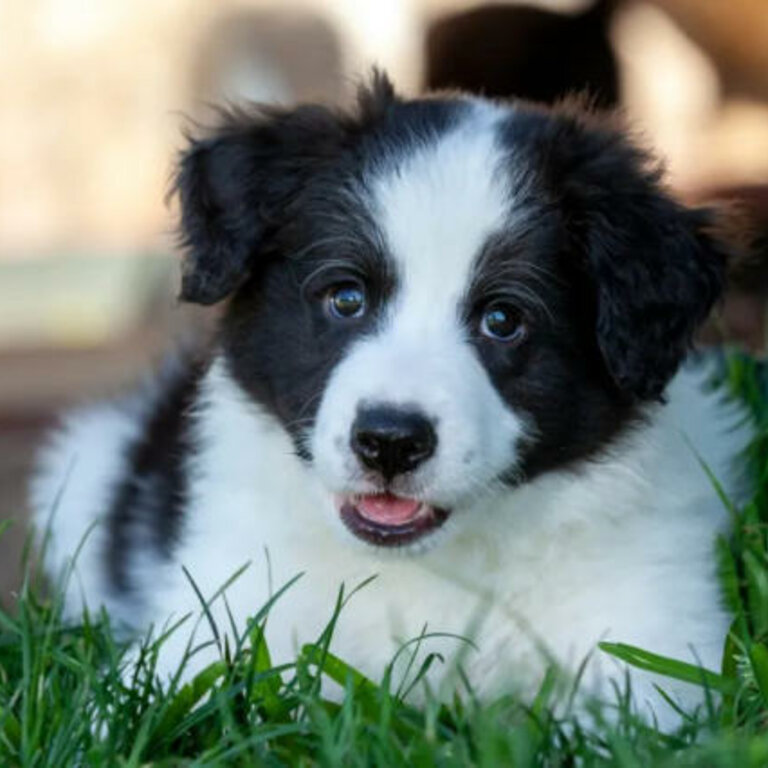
(389, 521)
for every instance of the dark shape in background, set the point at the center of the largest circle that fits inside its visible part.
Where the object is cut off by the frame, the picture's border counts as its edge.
(501, 51)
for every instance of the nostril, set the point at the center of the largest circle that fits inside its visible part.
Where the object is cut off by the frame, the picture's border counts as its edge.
(392, 440)
(366, 444)
(417, 450)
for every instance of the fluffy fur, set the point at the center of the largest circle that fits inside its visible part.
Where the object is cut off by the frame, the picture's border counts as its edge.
(572, 505)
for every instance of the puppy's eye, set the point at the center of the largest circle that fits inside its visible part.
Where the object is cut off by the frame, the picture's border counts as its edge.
(346, 301)
(503, 322)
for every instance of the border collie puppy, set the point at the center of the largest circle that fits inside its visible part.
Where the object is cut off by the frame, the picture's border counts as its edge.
(450, 359)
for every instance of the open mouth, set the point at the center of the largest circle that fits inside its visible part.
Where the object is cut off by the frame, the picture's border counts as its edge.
(388, 520)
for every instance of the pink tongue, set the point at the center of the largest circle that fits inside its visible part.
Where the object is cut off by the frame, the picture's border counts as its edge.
(387, 509)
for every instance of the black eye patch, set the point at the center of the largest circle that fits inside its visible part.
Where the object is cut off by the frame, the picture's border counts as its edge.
(280, 339)
(520, 267)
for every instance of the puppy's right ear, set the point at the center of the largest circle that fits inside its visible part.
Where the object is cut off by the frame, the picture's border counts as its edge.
(237, 184)
(233, 185)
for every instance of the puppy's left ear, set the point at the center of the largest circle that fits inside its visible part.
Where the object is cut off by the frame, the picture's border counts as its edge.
(656, 282)
(656, 267)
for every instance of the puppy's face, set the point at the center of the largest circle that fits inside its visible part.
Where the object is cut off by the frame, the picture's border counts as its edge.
(440, 299)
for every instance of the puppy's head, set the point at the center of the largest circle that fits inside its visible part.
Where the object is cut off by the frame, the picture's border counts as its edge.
(444, 297)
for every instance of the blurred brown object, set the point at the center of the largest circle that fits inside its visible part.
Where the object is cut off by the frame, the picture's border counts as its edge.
(19, 438)
(267, 55)
(743, 316)
(734, 34)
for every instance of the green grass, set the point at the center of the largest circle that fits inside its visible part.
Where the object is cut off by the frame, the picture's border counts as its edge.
(67, 700)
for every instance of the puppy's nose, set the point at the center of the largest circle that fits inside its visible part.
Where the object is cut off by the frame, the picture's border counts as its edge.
(391, 440)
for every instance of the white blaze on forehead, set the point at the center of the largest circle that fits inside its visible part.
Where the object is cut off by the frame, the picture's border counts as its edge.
(437, 207)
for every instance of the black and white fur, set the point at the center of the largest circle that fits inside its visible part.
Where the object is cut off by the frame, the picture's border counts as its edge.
(562, 499)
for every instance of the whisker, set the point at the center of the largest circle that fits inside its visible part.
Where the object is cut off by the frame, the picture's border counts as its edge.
(309, 402)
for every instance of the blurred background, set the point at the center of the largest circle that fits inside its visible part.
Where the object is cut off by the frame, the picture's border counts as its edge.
(93, 96)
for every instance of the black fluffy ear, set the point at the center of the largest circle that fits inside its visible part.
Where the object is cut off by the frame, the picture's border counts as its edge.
(238, 183)
(233, 185)
(656, 267)
(654, 289)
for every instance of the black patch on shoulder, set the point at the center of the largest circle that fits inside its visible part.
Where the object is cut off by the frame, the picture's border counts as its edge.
(148, 504)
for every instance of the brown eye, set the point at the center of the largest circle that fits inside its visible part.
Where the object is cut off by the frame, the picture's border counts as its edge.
(346, 301)
(503, 322)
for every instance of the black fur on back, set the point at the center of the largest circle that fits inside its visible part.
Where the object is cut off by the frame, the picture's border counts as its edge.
(148, 504)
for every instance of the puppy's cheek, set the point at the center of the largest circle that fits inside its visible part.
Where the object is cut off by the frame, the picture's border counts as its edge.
(511, 444)
(482, 446)
(330, 446)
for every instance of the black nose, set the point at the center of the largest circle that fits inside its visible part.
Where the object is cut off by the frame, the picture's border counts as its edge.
(392, 440)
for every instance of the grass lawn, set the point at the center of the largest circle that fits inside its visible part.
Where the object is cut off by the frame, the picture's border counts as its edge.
(64, 700)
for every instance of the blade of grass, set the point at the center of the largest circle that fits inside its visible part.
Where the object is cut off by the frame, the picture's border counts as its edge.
(663, 665)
